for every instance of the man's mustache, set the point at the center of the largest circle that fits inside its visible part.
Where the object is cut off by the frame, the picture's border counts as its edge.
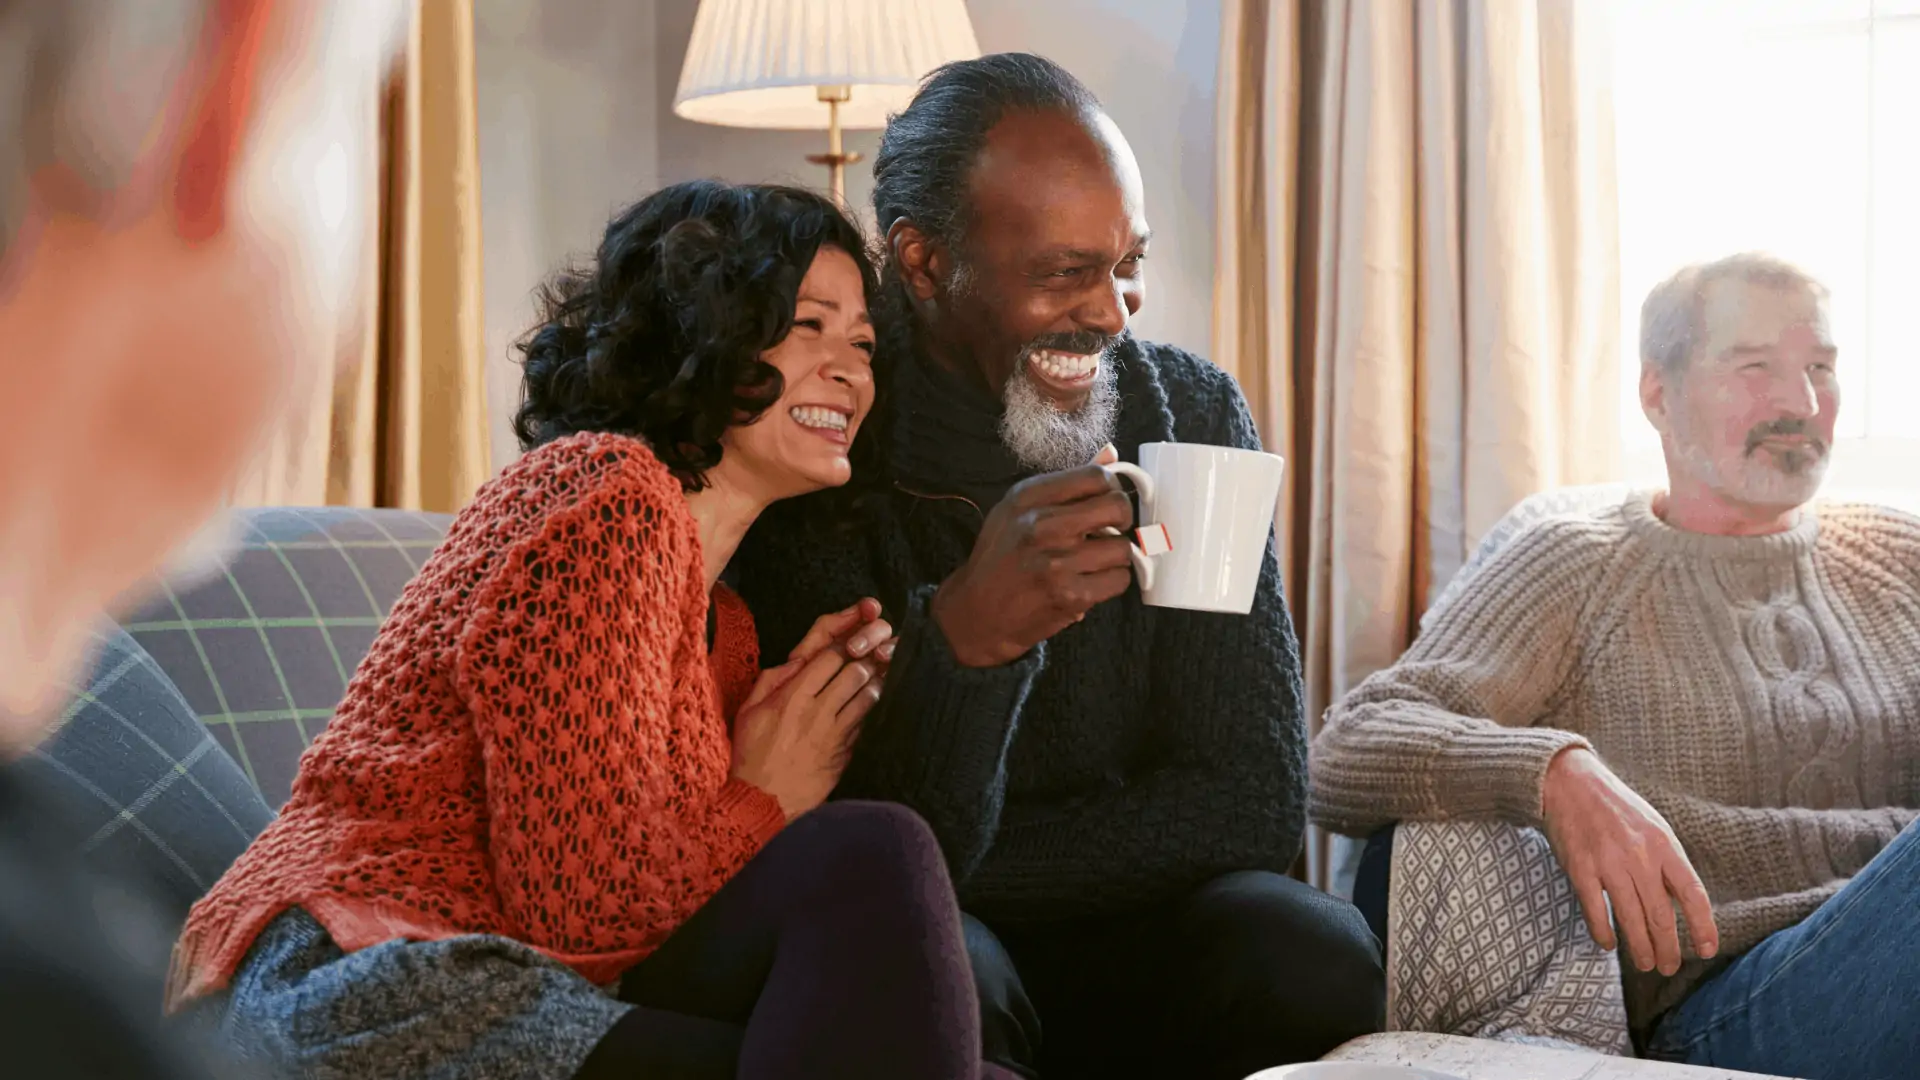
(1078, 343)
(1785, 427)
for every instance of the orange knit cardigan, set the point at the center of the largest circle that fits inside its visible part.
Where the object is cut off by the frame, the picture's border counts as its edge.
(536, 745)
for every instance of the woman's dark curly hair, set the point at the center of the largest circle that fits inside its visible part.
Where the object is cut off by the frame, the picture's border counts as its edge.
(661, 336)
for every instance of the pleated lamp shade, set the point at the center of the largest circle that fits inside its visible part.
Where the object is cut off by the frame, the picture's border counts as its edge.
(757, 63)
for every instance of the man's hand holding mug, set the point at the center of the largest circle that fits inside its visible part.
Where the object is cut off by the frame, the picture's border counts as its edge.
(1044, 558)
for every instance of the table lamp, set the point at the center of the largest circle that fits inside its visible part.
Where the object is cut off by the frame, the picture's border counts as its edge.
(811, 64)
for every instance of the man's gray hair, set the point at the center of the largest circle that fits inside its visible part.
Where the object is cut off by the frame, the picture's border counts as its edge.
(84, 86)
(1670, 319)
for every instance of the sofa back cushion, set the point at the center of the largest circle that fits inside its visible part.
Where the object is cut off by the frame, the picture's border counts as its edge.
(151, 801)
(262, 652)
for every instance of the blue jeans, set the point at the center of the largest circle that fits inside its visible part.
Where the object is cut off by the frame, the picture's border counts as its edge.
(1835, 998)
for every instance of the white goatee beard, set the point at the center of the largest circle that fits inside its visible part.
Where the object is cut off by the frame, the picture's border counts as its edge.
(1759, 478)
(1045, 439)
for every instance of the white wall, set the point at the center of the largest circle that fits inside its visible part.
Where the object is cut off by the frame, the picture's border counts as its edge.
(568, 134)
(1152, 62)
(576, 119)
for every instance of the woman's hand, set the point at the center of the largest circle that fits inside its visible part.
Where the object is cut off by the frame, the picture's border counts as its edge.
(858, 633)
(792, 735)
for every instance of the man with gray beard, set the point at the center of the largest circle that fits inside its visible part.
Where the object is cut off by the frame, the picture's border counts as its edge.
(1707, 698)
(1118, 789)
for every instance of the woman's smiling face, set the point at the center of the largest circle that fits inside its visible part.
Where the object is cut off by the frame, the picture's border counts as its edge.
(802, 442)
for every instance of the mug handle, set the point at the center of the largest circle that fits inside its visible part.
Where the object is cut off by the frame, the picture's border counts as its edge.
(1142, 483)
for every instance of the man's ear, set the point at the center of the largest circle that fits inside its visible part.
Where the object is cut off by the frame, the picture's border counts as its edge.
(1656, 395)
(216, 125)
(920, 262)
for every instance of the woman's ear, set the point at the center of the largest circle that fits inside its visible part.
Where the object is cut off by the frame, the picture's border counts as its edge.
(217, 123)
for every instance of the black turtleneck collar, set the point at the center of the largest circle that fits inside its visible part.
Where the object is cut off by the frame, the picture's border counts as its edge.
(946, 436)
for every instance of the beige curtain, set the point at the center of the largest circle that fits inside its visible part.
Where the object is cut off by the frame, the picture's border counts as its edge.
(404, 423)
(1417, 286)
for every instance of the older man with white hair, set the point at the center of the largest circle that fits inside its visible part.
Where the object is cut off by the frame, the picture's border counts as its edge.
(1707, 698)
(171, 267)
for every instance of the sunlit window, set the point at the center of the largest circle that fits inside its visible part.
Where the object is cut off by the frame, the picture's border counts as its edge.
(1790, 126)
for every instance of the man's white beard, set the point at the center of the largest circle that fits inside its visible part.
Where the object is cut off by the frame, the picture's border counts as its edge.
(1759, 478)
(1047, 440)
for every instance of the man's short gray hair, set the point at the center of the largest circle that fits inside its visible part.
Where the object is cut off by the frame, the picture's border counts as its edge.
(84, 86)
(1670, 319)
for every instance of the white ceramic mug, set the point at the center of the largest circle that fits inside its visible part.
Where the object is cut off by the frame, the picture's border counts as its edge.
(1205, 515)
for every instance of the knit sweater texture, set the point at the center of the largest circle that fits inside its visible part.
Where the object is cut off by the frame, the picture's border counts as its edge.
(1131, 757)
(1762, 693)
(536, 746)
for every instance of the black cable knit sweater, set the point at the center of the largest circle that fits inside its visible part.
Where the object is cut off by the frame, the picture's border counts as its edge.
(1130, 758)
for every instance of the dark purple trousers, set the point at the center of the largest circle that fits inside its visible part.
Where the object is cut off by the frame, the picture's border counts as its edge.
(835, 953)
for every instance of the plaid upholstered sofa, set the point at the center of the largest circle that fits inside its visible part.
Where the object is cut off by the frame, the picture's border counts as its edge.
(184, 737)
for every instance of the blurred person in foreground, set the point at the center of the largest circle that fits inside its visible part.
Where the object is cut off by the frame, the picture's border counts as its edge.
(171, 269)
(1707, 698)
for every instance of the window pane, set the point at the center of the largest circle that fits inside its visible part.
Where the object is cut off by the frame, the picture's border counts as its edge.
(1732, 141)
(1896, 7)
(1891, 405)
(1744, 15)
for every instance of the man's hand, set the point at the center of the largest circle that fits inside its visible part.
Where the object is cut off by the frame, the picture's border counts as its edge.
(1037, 567)
(1616, 847)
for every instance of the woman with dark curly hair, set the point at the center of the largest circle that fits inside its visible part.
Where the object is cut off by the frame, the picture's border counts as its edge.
(562, 825)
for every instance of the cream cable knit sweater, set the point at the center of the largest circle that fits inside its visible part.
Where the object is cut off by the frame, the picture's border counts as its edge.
(1762, 693)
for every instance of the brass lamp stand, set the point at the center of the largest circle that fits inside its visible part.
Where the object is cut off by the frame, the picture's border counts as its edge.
(836, 159)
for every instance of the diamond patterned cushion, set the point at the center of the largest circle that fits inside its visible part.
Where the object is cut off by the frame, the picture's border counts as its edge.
(263, 652)
(1485, 938)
